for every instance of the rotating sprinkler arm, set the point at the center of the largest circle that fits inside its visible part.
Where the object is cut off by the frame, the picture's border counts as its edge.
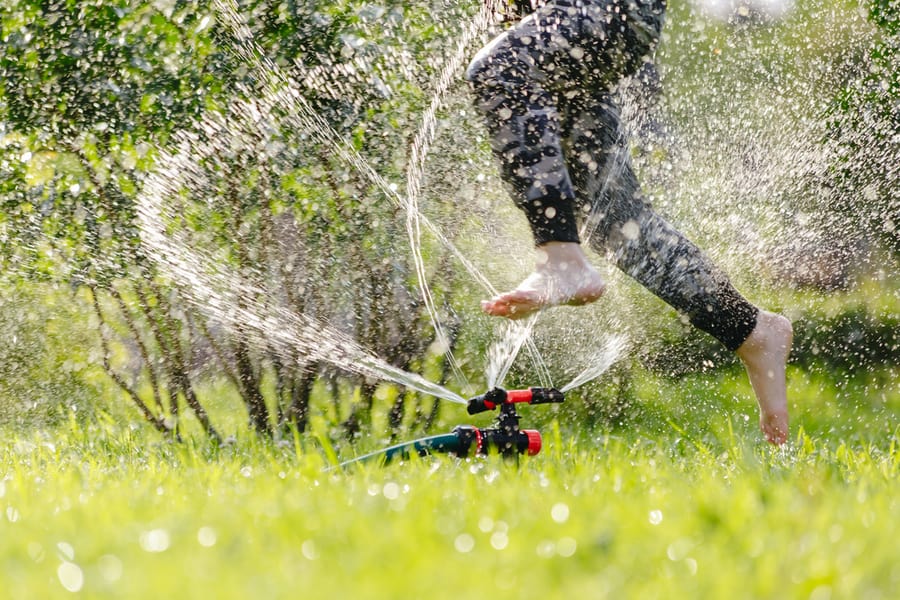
(498, 397)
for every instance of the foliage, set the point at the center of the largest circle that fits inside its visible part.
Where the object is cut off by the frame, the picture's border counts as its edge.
(91, 86)
(865, 128)
(125, 79)
(46, 365)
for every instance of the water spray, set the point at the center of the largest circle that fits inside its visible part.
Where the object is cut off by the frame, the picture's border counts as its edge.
(504, 437)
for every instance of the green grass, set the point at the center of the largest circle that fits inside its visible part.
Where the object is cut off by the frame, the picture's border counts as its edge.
(682, 501)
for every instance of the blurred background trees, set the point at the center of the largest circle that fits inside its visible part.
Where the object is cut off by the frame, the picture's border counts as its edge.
(92, 94)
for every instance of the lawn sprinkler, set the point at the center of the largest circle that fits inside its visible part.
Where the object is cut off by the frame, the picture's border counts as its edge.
(504, 437)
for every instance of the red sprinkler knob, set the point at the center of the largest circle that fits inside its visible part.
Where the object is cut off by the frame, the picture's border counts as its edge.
(534, 441)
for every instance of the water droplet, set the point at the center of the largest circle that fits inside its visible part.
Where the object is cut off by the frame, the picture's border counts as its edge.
(12, 514)
(464, 543)
(655, 517)
(678, 549)
(36, 552)
(203, 24)
(631, 230)
(391, 491)
(155, 540)
(485, 524)
(499, 540)
(206, 536)
(309, 550)
(566, 547)
(70, 576)
(691, 565)
(546, 549)
(560, 512)
(66, 551)
(110, 568)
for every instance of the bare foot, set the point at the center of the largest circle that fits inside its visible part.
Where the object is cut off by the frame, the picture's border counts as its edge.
(562, 275)
(765, 355)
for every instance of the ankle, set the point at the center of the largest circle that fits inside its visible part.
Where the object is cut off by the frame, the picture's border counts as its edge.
(560, 255)
(773, 334)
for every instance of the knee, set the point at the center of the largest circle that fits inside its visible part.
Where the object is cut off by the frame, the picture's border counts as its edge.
(483, 67)
(477, 70)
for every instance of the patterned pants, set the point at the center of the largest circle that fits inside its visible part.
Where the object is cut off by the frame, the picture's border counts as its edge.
(544, 87)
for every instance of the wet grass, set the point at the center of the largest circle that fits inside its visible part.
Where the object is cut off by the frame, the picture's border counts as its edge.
(682, 501)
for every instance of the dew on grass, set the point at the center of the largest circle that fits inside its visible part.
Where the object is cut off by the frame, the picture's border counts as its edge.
(546, 549)
(66, 551)
(398, 504)
(155, 540)
(110, 567)
(691, 565)
(36, 552)
(566, 547)
(206, 536)
(499, 540)
(309, 550)
(464, 543)
(12, 514)
(679, 549)
(560, 512)
(70, 576)
(391, 490)
(655, 517)
(486, 524)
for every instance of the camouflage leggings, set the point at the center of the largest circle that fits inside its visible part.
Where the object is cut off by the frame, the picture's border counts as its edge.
(544, 89)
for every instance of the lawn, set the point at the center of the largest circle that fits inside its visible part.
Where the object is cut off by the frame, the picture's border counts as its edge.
(681, 501)
(674, 497)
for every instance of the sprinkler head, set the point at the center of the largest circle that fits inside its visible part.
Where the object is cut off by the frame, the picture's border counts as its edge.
(498, 396)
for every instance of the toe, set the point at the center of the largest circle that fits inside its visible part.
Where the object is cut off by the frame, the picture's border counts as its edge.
(775, 428)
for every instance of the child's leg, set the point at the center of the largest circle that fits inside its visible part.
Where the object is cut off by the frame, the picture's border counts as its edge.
(650, 250)
(642, 243)
(518, 80)
(513, 92)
